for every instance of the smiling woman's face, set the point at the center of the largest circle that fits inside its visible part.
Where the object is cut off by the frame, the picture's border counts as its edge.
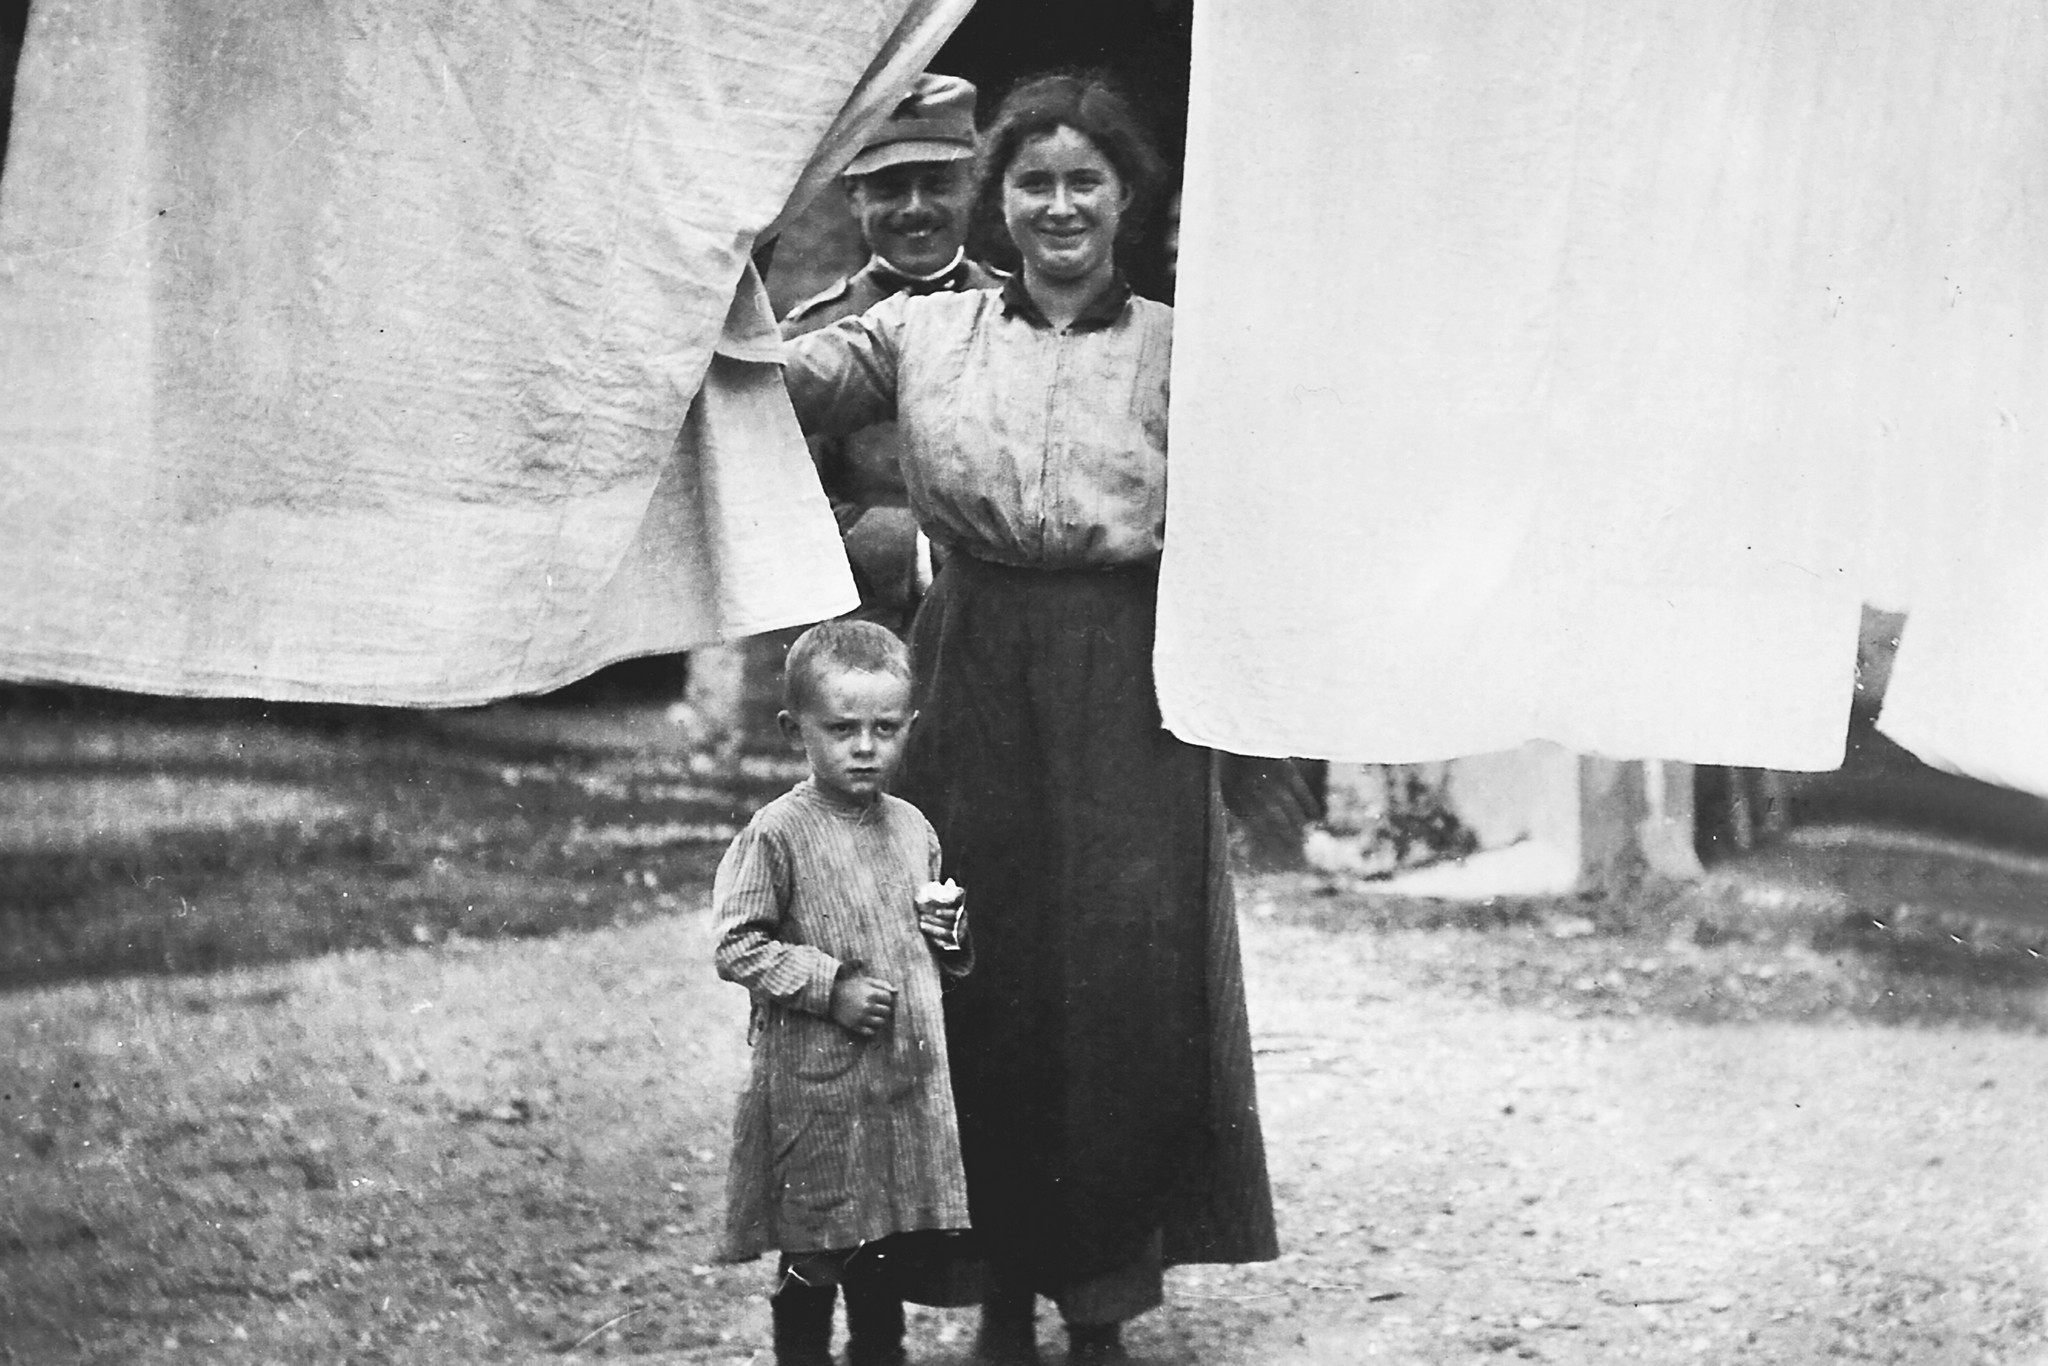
(1063, 203)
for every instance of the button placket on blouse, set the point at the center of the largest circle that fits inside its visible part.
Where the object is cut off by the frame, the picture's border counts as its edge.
(1055, 411)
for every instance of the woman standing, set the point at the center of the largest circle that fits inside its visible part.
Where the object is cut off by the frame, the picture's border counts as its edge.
(1101, 1056)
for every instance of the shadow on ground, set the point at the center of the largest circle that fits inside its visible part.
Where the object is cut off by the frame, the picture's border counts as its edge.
(1781, 938)
(152, 835)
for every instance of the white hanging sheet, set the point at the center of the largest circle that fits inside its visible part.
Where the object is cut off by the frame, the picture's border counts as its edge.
(365, 351)
(1969, 688)
(1572, 369)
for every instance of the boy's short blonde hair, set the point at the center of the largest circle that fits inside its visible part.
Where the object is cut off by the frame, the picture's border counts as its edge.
(839, 647)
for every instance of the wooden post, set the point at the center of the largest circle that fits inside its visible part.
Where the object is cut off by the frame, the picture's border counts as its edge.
(1635, 821)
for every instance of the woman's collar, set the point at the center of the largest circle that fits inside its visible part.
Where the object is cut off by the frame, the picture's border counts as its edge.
(1101, 311)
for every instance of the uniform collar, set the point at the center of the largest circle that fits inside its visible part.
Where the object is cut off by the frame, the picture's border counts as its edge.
(890, 280)
(1101, 311)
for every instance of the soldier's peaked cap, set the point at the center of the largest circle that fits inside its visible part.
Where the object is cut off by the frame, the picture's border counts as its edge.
(934, 122)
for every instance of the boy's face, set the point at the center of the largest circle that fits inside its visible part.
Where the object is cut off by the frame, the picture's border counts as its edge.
(852, 730)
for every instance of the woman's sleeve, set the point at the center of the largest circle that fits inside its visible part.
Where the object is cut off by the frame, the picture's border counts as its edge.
(842, 378)
(750, 903)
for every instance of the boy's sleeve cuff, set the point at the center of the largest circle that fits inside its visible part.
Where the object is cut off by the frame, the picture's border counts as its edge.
(815, 997)
(957, 961)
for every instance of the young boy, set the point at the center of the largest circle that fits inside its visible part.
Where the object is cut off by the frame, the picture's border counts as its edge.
(826, 912)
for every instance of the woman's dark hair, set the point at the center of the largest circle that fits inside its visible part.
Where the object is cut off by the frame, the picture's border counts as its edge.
(1090, 104)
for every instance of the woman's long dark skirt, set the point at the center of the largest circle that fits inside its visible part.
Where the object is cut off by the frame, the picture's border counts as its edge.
(1100, 1051)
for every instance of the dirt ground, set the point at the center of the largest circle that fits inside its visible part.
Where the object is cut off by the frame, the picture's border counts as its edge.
(434, 1069)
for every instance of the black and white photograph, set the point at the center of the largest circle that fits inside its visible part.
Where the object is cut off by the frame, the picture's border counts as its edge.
(615, 745)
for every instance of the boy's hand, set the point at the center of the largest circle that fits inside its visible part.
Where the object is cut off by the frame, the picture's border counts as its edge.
(862, 1005)
(942, 913)
(945, 926)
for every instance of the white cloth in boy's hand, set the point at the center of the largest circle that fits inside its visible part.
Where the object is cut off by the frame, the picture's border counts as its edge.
(942, 914)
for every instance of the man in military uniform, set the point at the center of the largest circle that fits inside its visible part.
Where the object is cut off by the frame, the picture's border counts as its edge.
(911, 189)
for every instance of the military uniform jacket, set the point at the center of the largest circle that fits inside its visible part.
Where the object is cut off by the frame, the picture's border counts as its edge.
(838, 1140)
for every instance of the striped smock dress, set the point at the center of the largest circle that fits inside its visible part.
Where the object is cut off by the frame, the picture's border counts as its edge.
(838, 1140)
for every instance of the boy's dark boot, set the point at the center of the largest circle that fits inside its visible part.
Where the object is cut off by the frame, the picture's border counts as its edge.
(1094, 1344)
(802, 1316)
(874, 1319)
(1009, 1325)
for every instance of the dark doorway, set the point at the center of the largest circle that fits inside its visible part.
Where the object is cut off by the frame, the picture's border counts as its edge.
(1142, 44)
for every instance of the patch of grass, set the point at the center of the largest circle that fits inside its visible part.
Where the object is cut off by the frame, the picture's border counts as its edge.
(436, 833)
(1701, 953)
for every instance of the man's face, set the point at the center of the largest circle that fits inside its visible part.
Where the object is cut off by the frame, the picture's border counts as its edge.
(914, 216)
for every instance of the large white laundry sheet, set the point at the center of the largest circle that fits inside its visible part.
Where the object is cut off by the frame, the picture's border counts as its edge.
(1968, 689)
(1572, 370)
(364, 351)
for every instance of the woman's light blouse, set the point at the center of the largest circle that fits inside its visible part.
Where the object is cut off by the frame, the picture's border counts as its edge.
(1022, 443)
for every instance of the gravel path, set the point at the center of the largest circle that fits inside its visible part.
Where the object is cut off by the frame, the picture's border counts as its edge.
(456, 1086)
(1486, 1145)
(1464, 1180)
